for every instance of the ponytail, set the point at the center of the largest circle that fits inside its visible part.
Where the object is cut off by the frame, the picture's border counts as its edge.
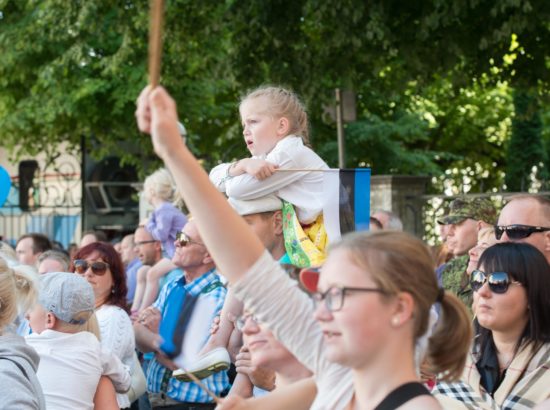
(450, 343)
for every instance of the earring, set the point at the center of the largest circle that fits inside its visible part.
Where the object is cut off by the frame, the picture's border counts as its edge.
(113, 291)
(395, 321)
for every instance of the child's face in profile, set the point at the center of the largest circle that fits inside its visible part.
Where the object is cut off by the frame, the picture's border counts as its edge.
(37, 317)
(261, 131)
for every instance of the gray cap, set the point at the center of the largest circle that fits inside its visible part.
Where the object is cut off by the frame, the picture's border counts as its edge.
(268, 203)
(66, 295)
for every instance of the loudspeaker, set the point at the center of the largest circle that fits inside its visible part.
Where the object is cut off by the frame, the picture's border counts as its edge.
(27, 173)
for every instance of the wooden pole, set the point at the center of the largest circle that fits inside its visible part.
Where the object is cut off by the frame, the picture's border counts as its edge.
(155, 41)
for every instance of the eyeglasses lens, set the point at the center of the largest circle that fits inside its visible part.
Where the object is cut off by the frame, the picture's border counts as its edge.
(98, 268)
(498, 281)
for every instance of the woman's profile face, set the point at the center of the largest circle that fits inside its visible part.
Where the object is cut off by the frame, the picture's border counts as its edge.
(501, 312)
(265, 349)
(354, 334)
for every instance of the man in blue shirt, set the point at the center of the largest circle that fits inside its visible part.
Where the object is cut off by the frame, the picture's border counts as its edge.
(201, 280)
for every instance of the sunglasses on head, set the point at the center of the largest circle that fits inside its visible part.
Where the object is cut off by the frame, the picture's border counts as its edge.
(498, 281)
(98, 268)
(518, 231)
(184, 240)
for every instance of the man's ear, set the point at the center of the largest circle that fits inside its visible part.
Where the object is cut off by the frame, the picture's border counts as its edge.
(207, 259)
(278, 222)
(50, 320)
(283, 126)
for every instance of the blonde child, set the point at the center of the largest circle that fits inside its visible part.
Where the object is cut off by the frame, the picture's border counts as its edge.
(275, 130)
(19, 386)
(71, 358)
(164, 223)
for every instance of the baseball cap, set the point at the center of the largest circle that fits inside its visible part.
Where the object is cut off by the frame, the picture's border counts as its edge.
(268, 203)
(66, 295)
(480, 209)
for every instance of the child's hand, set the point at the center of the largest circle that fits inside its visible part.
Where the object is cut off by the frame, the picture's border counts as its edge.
(156, 115)
(258, 168)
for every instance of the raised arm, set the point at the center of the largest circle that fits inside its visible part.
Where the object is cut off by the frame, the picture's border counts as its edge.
(229, 239)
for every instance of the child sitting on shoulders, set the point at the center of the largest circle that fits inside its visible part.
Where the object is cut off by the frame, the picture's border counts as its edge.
(164, 224)
(275, 130)
(71, 358)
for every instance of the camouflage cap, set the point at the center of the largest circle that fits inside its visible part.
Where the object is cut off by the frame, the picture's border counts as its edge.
(480, 209)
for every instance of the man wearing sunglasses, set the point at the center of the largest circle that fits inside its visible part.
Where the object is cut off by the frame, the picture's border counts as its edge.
(465, 218)
(526, 218)
(200, 280)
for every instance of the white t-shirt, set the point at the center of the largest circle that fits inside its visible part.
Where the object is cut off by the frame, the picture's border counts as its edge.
(117, 335)
(70, 367)
(304, 190)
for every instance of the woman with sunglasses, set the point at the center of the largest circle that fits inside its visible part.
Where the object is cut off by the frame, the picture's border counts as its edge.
(100, 264)
(509, 365)
(375, 292)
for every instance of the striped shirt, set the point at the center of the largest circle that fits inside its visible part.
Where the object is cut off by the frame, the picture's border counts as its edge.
(183, 391)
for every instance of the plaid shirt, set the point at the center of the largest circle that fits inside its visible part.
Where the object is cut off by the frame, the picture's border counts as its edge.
(182, 391)
(526, 383)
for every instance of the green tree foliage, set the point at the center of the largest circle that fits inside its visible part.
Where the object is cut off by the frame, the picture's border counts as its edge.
(433, 78)
(525, 150)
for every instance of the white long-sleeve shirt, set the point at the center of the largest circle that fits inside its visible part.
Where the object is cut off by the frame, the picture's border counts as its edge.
(70, 367)
(302, 189)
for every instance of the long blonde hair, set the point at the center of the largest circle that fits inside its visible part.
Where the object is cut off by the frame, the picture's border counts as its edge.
(284, 103)
(399, 262)
(18, 292)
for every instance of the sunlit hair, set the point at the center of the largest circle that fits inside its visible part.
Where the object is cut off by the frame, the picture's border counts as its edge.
(8, 304)
(399, 262)
(527, 265)
(90, 325)
(7, 252)
(486, 233)
(26, 286)
(160, 184)
(57, 256)
(284, 103)
(108, 254)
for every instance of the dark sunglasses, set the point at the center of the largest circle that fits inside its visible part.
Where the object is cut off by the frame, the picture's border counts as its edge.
(98, 268)
(184, 240)
(498, 281)
(518, 231)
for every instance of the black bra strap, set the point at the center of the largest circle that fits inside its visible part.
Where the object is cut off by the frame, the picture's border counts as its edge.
(401, 395)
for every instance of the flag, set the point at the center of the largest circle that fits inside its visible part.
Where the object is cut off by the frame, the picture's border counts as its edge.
(346, 201)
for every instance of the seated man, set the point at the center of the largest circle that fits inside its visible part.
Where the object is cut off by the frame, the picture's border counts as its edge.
(200, 279)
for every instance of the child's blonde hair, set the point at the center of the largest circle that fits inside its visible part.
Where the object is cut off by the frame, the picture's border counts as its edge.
(18, 292)
(161, 184)
(90, 325)
(284, 103)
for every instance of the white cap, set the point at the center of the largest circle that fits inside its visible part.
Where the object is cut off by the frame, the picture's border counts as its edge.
(268, 203)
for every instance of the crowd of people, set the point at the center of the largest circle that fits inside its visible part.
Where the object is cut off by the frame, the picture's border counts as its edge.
(217, 308)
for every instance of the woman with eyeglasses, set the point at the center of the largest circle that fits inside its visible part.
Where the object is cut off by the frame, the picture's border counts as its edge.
(509, 364)
(375, 292)
(100, 264)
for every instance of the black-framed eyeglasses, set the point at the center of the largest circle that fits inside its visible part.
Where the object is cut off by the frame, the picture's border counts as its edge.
(498, 282)
(518, 231)
(98, 267)
(145, 242)
(334, 296)
(184, 240)
(240, 322)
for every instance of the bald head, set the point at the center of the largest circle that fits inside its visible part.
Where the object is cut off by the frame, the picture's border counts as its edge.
(529, 210)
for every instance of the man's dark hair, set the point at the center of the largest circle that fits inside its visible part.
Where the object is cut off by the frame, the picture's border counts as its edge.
(40, 242)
